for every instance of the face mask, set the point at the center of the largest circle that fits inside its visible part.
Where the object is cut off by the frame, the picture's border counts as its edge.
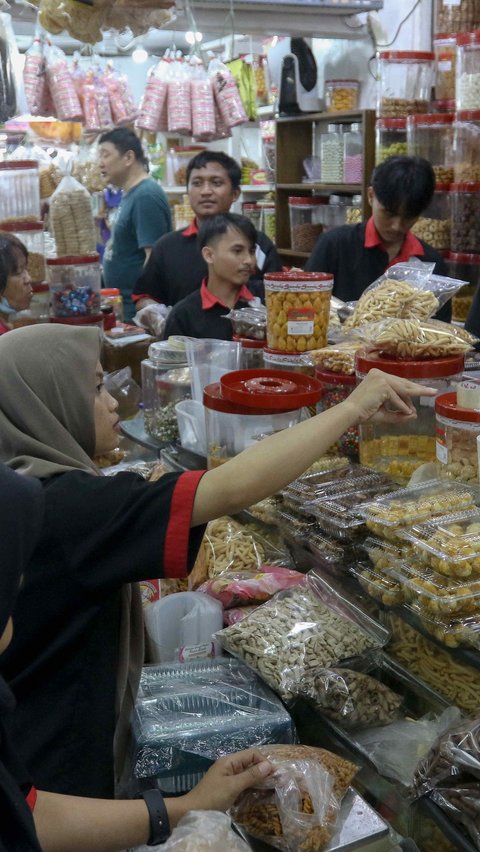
(5, 307)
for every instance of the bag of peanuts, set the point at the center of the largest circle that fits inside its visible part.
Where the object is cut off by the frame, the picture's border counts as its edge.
(406, 290)
(415, 338)
(234, 588)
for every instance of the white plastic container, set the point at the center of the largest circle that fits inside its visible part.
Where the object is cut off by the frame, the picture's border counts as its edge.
(405, 80)
(191, 425)
(180, 627)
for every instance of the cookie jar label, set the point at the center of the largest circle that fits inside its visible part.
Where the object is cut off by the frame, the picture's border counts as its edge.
(300, 321)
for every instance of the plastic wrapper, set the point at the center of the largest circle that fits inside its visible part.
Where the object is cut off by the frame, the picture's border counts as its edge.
(179, 100)
(339, 358)
(188, 715)
(203, 831)
(449, 545)
(249, 322)
(226, 93)
(244, 587)
(81, 20)
(299, 631)
(244, 75)
(237, 613)
(37, 92)
(450, 773)
(203, 104)
(86, 169)
(226, 546)
(139, 18)
(436, 594)
(152, 113)
(122, 103)
(406, 291)
(414, 338)
(12, 100)
(96, 103)
(61, 85)
(71, 219)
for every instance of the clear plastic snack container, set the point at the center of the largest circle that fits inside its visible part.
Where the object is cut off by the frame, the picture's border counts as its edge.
(457, 432)
(337, 516)
(435, 223)
(431, 137)
(449, 545)
(251, 355)
(405, 80)
(74, 285)
(19, 190)
(341, 95)
(453, 632)
(468, 71)
(466, 141)
(298, 310)
(382, 554)
(165, 381)
(305, 221)
(390, 138)
(445, 49)
(329, 484)
(378, 585)
(437, 594)
(277, 360)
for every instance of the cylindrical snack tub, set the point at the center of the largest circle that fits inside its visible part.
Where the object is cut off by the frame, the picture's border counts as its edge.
(404, 82)
(457, 432)
(298, 310)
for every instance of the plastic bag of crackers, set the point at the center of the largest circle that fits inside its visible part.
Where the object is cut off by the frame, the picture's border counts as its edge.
(296, 808)
(415, 338)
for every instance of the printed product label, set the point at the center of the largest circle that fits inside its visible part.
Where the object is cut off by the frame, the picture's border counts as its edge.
(149, 591)
(300, 321)
(442, 451)
(196, 652)
(445, 65)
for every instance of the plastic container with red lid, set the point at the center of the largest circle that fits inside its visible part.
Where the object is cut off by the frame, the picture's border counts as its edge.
(264, 402)
(468, 71)
(434, 224)
(390, 138)
(298, 310)
(336, 388)
(75, 285)
(19, 190)
(405, 79)
(457, 432)
(465, 207)
(341, 95)
(398, 449)
(305, 221)
(31, 234)
(445, 49)
(251, 356)
(431, 136)
(466, 146)
(112, 296)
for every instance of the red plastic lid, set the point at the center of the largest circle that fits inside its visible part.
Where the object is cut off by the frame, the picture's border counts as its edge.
(446, 406)
(442, 187)
(463, 257)
(92, 319)
(468, 115)
(40, 288)
(276, 390)
(445, 37)
(431, 118)
(406, 55)
(391, 123)
(19, 164)
(293, 200)
(335, 82)
(110, 291)
(248, 343)
(72, 260)
(445, 106)
(329, 377)
(215, 401)
(11, 227)
(434, 368)
(464, 187)
(468, 38)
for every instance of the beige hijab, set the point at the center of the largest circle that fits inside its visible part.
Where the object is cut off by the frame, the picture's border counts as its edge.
(47, 426)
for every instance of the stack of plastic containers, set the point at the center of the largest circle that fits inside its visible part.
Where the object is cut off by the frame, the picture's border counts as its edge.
(390, 138)
(431, 136)
(405, 80)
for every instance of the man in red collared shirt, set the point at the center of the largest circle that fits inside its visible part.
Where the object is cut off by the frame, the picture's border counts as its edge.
(401, 188)
(227, 245)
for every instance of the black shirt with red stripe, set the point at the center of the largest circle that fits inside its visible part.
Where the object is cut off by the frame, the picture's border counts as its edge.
(201, 314)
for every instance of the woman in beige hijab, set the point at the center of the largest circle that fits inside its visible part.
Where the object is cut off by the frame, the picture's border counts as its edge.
(70, 665)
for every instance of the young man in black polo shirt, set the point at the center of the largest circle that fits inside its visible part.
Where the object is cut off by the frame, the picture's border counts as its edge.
(227, 245)
(401, 188)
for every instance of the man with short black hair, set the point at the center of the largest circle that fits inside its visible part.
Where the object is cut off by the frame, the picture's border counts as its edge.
(400, 189)
(143, 215)
(176, 267)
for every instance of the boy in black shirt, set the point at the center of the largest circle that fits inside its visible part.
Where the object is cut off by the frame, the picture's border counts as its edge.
(227, 244)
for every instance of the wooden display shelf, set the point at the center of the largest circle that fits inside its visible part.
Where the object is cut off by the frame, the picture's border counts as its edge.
(291, 253)
(332, 188)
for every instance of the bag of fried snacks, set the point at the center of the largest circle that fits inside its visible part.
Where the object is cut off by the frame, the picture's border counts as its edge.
(338, 357)
(415, 338)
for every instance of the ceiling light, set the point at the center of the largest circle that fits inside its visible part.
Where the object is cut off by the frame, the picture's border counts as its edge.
(139, 55)
(191, 37)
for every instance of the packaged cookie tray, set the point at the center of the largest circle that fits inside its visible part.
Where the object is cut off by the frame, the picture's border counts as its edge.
(435, 593)
(450, 544)
(315, 485)
(454, 632)
(382, 553)
(209, 672)
(338, 516)
(305, 502)
(382, 588)
(419, 502)
(294, 526)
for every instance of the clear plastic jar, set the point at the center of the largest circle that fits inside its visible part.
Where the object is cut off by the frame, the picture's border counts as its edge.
(466, 144)
(31, 234)
(251, 355)
(456, 15)
(165, 381)
(19, 190)
(465, 267)
(405, 80)
(336, 388)
(431, 137)
(353, 215)
(353, 155)
(465, 233)
(445, 49)
(457, 432)
(305, 221)
(298, 310)
(74, 285)
(253, 212)
(434, 225)
(292, 361)
(112, 296)
(341, 95)
(468, 71)
(268, 219)
(390, 138)
(398, 449)
(331, 154)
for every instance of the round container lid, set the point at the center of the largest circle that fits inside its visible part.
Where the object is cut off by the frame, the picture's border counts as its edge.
(341, 82)
(110, 291)
(164, 353)
(431, 118)
(465, 187)
(391, 123)
(434, 368)
(442, 187)
(312, 281)
(276, 390)
(445, 37)
(463, 257)
(40, 288)
(12, 227)
(406, 55)
(308, 200)
(446, 406)
(464, 39)
(468, 115)
(19, 164)
(215, 401)
(445, 105)
(91, 319)
(73, 260)
(330, 377)
(248, 343)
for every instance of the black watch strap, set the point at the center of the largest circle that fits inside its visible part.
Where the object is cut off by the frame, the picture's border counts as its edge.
(159, 822)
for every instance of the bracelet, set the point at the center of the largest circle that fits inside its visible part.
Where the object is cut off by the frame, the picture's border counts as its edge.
(159, 822)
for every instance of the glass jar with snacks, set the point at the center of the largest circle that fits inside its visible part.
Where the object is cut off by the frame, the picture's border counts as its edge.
(112, 296)
(19, 191)
(74, 285)
(466, 145)
(404, 82)
(353, 155)
(298, 310)
(390, 138)
(251, 355)
(434, 225)
(445, 49)
(275, 360)
(431, 137)
(31, 235)
(468, 71)
(354, 211)
(341, 95)
(247, 405)
(465, 231)
(456, 15)
(305, 221)
(336, 388)
(165, 381)
(457, 431)
(398, 449)
(331, 154)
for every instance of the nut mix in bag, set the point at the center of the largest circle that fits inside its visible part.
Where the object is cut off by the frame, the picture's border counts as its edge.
(354, 699)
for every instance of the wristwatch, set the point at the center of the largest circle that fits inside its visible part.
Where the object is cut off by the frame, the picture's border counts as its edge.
(159, 822)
